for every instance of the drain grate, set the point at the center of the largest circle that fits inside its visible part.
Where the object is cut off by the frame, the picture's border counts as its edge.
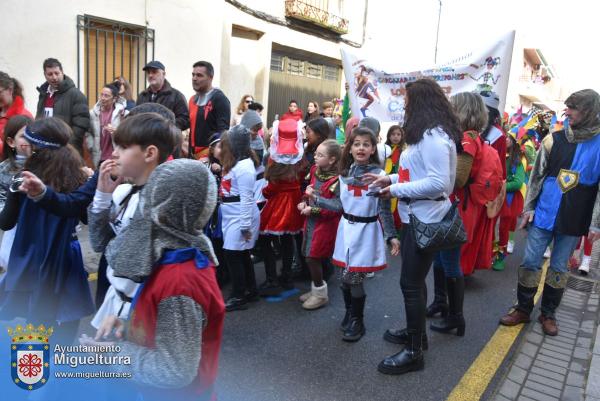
(582, 284)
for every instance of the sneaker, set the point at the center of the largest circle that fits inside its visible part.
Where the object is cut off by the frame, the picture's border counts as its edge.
(547, 253)
(584, 268)
(371, 275)
(510, 247)
(499, 263)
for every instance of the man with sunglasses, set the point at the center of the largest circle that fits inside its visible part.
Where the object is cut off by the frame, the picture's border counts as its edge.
(562, 204)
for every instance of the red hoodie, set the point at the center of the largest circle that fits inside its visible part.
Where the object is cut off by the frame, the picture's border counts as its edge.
(16, 108)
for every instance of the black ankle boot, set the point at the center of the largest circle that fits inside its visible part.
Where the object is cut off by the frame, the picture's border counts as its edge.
(440, 303)
(455, 319)
(356, 328)
(400, 336)
(348, 305)
(408, 360)
(236, 303)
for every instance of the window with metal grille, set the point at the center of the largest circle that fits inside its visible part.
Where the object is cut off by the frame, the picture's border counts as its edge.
(314, 70)
(276, 62)
(295, 67)
(109, 49)
(331, 73)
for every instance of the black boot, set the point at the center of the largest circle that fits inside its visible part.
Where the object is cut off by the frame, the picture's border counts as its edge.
(455, 319)
(400, 336)
(554, 288)
(408, 360)
(356, 328)
(440, 303)
(348, 304)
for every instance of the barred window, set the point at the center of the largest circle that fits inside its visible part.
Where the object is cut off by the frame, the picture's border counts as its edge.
(295, 67)
(111, 49)
(331, 73)
(276, 62)
(314, 70)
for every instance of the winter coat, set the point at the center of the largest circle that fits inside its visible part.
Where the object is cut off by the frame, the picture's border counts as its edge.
(118, 113)
(70, 105)
(17, 108)
(172, 99)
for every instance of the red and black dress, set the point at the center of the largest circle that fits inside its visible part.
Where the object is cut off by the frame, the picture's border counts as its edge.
(320, 227)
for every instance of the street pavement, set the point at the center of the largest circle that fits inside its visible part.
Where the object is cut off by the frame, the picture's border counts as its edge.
(276, 351)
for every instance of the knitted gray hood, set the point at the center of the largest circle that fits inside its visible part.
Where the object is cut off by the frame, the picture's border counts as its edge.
(174, 206)
(587, 101)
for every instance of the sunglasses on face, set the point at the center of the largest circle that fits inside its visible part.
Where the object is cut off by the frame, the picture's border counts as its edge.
(248, 101)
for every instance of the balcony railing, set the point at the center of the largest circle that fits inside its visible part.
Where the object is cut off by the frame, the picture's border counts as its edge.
(309, 11)
(535, 79)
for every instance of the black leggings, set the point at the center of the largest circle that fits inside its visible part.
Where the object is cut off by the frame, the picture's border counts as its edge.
(241, 271)
(415, 266)
(287, 255)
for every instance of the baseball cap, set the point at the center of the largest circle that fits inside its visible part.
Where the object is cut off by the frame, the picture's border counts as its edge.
(154, 64)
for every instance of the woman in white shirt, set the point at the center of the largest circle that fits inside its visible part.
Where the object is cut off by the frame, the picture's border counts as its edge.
(425, 179)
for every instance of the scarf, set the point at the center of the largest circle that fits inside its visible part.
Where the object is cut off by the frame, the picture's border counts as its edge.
(175, 205)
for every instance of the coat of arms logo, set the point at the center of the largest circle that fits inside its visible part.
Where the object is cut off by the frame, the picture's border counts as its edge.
(30, 355)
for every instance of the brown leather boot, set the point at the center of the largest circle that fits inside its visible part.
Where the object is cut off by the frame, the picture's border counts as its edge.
(549, 326)
(514, 318)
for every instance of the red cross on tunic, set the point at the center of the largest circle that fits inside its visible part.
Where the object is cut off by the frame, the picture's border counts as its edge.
(226, 185)
(358, 189)
(403, 175)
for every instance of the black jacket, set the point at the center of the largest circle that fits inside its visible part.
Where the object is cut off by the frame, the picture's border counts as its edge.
(71, 106)
(172, 99)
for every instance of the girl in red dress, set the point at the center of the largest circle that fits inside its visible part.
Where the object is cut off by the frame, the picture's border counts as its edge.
(321, 225)
(280, 220)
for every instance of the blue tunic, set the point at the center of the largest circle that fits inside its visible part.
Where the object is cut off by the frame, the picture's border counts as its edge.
(45, 280)
(569, 191)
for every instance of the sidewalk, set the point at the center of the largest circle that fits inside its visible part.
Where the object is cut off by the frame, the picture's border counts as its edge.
(565, 367)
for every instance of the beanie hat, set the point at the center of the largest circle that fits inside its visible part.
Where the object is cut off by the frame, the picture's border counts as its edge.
(250, 118)
(239, 138)
(214, 139)
(370, 123)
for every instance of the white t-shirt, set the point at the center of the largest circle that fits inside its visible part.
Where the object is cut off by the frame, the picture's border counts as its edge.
(113, 304)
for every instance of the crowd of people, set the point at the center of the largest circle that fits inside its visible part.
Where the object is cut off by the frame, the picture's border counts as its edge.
(182, 198)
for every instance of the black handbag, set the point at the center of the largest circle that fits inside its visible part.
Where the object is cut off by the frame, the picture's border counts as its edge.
(432, 237)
